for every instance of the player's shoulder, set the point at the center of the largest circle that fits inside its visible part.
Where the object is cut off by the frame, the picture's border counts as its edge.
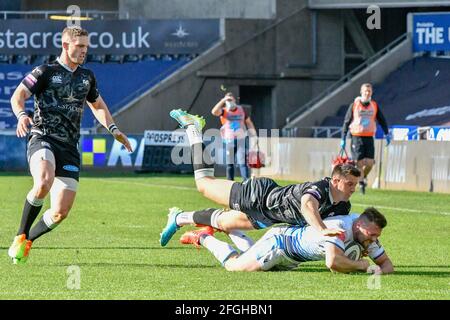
(86, 70)
(322, 185)
(43, 68)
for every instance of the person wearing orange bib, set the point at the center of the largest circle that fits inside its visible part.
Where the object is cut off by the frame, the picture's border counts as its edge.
(236, 126)
(361, 120)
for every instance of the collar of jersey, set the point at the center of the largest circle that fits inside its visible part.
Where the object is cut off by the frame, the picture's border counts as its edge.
(329, 192)
(65, 66)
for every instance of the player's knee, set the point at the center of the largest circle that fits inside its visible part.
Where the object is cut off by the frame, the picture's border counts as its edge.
(232, 264)
(202, 185)
(60, 215)
(44, 185)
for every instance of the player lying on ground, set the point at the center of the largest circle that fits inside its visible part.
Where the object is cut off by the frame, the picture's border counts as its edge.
(260, 202)
(285, 247)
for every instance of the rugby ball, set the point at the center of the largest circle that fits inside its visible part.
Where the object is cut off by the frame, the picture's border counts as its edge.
(353, 251)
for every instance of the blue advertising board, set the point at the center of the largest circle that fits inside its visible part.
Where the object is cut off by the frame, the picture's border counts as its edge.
(431, 32)
(178, 36)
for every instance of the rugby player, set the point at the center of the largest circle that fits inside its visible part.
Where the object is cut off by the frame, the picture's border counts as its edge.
(60, 90)
(285, 247)
(258, 203)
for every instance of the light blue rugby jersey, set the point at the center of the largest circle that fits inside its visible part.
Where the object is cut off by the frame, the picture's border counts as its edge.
(307, 244)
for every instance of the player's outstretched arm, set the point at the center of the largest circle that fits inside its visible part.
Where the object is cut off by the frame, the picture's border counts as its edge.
(310, 211)
(20, 95)
(102, 114)
(336, 260)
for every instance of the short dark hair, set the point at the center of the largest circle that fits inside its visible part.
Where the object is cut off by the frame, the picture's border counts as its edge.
(346, 170)
(373, 215)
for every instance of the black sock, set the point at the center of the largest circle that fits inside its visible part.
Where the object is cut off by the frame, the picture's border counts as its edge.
(39, 229)
(204, 217)
(29, 214)
(198, 161)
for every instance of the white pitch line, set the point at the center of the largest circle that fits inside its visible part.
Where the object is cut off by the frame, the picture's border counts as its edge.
(404, 209)
(153, 185)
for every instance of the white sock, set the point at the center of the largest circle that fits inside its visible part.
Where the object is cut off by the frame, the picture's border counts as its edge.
(185, 218)
(221, 250)
(241, 240)
(48, 220)
(194, 136)
(215, 217)
(31, 198)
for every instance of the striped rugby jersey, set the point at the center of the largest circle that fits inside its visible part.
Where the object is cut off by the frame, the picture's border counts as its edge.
(307, 244)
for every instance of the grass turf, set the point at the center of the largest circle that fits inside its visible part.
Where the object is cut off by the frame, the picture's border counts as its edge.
(112, 238)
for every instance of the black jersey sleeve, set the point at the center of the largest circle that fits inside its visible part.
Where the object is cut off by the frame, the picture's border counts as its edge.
(315, 191)
(36, 80)
(93, 91)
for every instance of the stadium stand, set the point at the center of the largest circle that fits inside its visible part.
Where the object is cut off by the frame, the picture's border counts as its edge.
(140, 74)
(414, 94)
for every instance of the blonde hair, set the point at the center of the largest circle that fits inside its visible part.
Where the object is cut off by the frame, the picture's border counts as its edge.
(364, 85)
(73, 32)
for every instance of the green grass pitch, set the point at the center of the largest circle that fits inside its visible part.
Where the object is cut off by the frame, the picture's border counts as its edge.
(112, 238)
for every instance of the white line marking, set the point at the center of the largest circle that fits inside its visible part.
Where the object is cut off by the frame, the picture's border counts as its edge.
(153, 185)
(403, 209)
(168, 186)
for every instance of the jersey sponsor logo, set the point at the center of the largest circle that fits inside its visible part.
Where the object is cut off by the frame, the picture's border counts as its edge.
(69, 167)
(56, 79)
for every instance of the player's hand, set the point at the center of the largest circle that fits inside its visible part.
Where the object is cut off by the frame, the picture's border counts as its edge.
(332, 232)
(365, 265)
(365, 253)
(374, 269)
(122, 138)
(23, 126)
(254, 144)
(388, 139)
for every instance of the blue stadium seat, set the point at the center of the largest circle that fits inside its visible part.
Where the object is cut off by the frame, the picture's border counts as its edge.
(167, 57)
(22, 59)
(343, 110)
(131, 58)
(114, 58)
(5, 58)
(149, 57)
(96, 58)
(40, 59)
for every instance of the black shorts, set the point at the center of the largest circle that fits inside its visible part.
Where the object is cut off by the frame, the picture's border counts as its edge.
(67, 156)
(250, 198)
(362, 147)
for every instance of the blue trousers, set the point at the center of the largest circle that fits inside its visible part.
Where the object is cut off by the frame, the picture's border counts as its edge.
(236, 150)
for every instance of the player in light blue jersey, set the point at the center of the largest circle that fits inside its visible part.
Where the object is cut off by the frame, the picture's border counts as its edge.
(285, 247)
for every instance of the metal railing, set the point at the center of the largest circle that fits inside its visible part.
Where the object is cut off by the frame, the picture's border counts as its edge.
(331, 132)
(45, 14)
(347, 77)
